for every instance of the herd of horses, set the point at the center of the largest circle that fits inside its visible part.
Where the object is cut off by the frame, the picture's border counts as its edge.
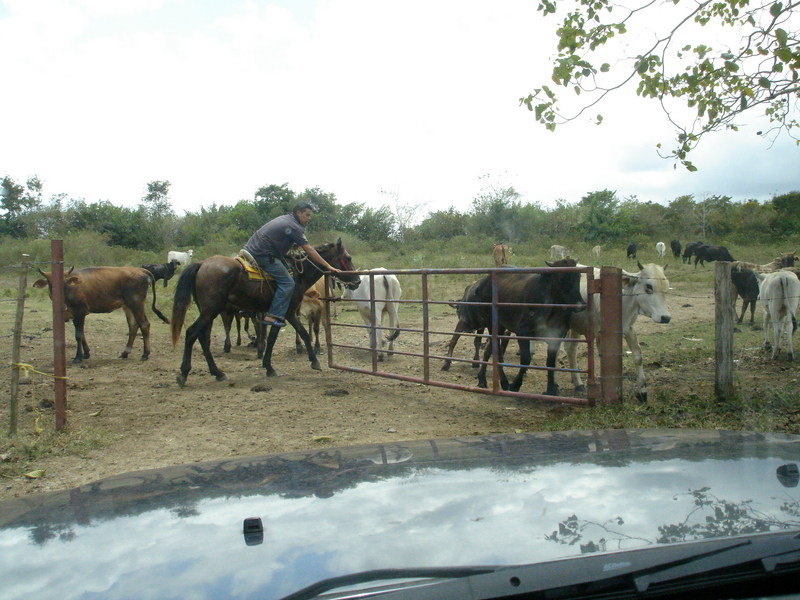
(546, 304)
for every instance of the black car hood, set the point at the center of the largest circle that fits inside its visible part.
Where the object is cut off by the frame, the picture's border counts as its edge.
(493, 500)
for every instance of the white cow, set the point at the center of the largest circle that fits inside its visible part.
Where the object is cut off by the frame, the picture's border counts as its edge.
(387, 288)
(779, 293)
(661, 249)
(184, 258)
(558, 252)
(596, 251)
(643, 293)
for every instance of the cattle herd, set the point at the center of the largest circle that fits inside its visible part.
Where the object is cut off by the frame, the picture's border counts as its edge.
(558, 295)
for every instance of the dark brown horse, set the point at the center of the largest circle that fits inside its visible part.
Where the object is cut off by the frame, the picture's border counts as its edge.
(220, 283)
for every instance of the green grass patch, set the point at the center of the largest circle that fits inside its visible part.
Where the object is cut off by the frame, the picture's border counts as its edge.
(20, 454)
(777, 410)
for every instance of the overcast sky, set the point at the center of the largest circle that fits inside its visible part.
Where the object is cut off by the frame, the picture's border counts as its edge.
(372, 100)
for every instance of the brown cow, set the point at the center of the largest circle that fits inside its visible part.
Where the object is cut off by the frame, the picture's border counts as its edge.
(500, 254)
(103, 290)
(311, 309)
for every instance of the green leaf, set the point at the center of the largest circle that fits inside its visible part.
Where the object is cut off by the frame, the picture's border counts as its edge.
(776, 9)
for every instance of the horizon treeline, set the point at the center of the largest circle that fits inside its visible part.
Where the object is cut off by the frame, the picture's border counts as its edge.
(495, 214)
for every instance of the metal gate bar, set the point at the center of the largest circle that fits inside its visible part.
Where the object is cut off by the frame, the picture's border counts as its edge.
(494, 337)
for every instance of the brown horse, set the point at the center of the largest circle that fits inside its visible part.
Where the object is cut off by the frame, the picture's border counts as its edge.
(219, 283)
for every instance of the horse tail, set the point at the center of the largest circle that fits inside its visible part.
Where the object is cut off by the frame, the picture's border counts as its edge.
(155, 310)
(183, 299)
(392, 310)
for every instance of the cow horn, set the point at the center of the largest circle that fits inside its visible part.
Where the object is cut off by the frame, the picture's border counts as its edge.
(641, 268)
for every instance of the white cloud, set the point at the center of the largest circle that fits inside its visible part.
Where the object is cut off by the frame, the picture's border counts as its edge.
(353, 96)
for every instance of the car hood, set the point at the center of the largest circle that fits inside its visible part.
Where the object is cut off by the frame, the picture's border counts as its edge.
(179, 532)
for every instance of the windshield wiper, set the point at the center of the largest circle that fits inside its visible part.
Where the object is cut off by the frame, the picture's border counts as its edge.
(319, 588)
(662, 569)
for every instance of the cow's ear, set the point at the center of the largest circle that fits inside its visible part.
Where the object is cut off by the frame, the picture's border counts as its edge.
(312, 294)
(40, 283)
(74, 280)
(629, 280)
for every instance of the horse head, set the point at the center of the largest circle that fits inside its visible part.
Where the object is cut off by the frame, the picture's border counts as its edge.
(338, 256)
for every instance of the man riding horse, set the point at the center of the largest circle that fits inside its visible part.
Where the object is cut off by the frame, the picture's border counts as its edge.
(268, 246)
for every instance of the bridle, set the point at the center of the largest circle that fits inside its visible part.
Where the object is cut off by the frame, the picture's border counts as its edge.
(302, 257)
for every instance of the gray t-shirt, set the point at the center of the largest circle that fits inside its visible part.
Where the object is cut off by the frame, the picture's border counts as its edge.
(277, 236)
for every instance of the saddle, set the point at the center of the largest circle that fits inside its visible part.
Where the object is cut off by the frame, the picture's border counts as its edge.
(250, 266)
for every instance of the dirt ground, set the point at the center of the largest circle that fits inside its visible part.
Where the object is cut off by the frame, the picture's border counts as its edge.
(148, 421)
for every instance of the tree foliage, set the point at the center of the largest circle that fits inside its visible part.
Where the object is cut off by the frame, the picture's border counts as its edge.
(755, 65)
(495, 214)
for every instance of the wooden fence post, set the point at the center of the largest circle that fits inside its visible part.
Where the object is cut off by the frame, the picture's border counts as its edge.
(724, 315)
(15, 351)
(610, 345)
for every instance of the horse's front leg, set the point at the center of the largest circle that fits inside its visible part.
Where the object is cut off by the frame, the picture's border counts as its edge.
(301, 331)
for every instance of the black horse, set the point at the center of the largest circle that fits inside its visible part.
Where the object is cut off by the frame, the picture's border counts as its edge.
(220, 283)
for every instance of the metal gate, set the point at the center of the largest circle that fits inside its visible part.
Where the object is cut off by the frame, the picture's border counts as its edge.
(427, 309)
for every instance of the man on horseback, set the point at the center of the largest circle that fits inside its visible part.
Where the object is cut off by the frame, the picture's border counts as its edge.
(269, 244)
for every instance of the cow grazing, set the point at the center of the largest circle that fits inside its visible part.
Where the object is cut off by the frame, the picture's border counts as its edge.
(745, 284)
(183, 258)
(706, 253)
(163, 271)
(596, 251)
(675, 246)
(630, 251)
(689, 251)
(547, 288)
(780, 294)
(500, 254)
(661, 249)
(643, 293)
(558, 252)
(387, 291)
(103, 290)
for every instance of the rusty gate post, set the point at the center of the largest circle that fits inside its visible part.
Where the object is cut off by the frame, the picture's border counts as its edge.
(610, 344)
(59, 344)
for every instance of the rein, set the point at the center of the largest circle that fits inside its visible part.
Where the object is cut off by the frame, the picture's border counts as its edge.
(303, 257)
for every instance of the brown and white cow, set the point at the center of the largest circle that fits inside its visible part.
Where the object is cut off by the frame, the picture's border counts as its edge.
(103, 290)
